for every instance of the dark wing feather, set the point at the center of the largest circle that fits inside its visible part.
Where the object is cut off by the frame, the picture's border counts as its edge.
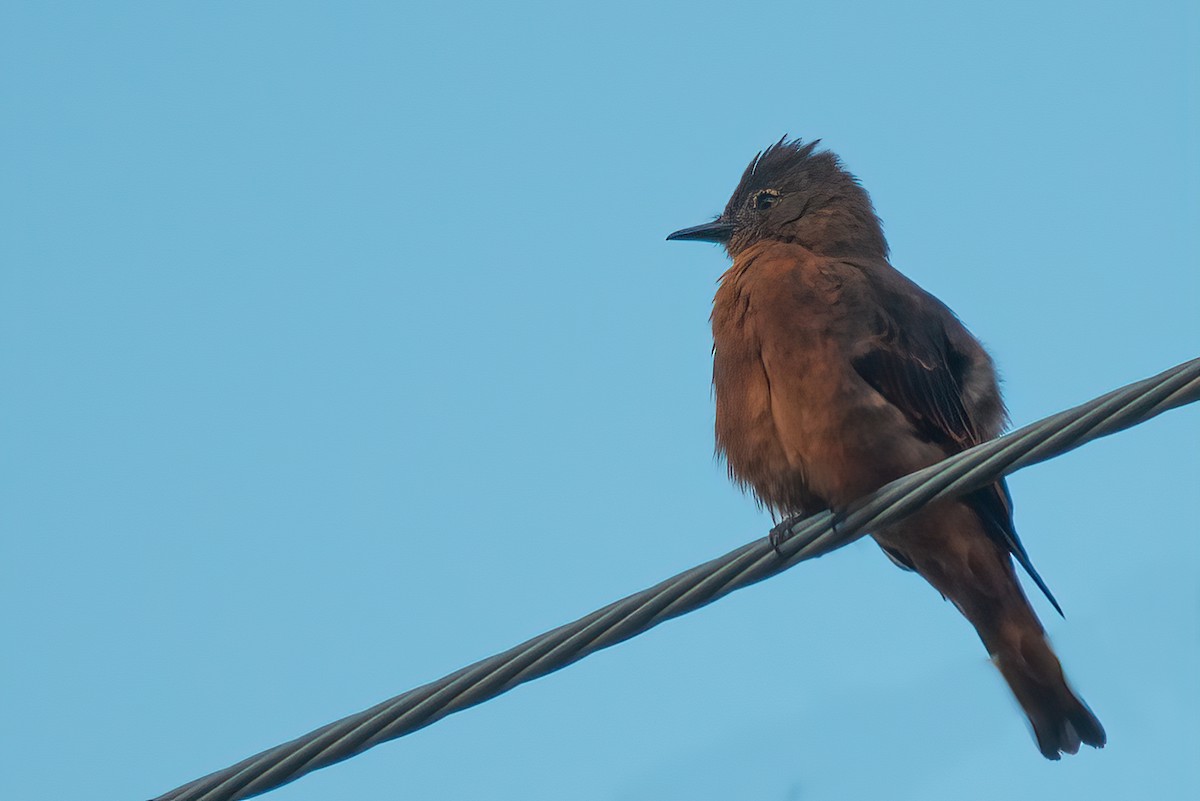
(917, 370)
(915, 377)
(993, 504)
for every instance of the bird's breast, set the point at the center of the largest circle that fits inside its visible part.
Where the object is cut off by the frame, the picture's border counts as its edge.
(775, 363)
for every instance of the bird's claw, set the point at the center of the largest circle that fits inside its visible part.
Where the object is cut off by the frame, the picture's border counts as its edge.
(781, 534)
(783, 531)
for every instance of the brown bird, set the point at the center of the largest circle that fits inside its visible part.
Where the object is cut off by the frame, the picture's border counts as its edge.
(835, 374)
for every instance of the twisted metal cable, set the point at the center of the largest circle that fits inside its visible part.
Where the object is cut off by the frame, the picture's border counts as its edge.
(692, 589)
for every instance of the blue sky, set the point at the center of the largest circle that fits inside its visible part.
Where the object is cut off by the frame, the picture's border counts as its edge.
(342, 348)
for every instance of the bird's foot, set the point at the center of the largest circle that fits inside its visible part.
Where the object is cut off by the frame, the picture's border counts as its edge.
(782, 533)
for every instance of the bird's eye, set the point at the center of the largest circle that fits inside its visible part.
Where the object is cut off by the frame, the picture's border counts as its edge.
(765, 199)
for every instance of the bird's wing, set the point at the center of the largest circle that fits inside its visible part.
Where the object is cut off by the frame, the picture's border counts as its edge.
(916, 368)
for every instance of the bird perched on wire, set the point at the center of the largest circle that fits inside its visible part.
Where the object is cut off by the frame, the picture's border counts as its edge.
(835, 374)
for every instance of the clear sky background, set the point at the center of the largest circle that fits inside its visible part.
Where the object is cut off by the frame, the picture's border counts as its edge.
(341, 347)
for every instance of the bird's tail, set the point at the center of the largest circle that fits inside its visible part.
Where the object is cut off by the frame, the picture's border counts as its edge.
(1061, 720)
(947, 545)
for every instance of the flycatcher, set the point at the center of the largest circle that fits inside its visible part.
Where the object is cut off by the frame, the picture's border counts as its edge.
(835, 374)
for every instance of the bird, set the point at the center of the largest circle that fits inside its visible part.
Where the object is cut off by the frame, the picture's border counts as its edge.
(835, 374)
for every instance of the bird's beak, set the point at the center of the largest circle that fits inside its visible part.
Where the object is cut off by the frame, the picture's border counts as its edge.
(716, 231)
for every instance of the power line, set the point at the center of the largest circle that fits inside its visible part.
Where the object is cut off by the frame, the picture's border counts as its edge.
(692, 589)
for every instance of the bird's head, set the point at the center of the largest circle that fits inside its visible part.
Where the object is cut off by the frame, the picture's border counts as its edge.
(792, 192)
